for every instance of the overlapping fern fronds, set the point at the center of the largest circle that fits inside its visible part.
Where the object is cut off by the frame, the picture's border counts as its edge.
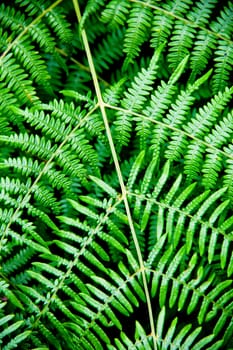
(116, 166)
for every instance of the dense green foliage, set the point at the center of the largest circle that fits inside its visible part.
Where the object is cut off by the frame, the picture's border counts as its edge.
(116, 161)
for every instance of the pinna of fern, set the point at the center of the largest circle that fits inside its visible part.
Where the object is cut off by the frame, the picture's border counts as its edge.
(86, 262)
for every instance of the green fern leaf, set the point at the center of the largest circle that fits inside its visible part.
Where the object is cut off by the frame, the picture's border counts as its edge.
(91, 7)
(109, 110)
(224, 62)
(115, 13)
(161, 25)
(135, 98)
(139, 23)
(183, 33)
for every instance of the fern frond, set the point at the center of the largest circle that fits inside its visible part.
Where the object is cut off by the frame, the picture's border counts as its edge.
(183, 339)
(183, 34)
(223, 23)
(32, 8)
(213, 162)
(203, 48)
(31, 167)
(140, 340)
(159, 103)
(139, 23)
(6, 99)
(16, 21)
(91, 8)
(162, 24)
(135, 98)
(181, 43)
(54, 17)
(198, 127)
(228, 172)
(115, 13)
(177, 113)
(102, 135)
(50, 125)
(180, 295)
(15, 79)
(109, 51)
(18, 260)
(32, 62)
(59, 25)
(223, 65)
(48, 336)
(157, 188)
(106, 306)
(42, 36)
(33, 144)
(13, 343)
(211, 168)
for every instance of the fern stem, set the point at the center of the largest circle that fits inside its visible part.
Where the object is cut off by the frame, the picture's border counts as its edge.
(118, 169)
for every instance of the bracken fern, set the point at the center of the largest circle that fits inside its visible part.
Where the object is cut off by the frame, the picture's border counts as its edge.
(116, 164)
